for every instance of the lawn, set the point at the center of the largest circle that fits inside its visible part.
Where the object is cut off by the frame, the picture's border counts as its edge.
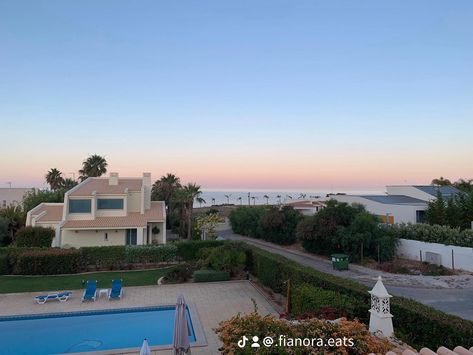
(10, 284)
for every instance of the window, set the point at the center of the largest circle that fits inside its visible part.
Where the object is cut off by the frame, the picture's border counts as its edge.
(80, 206)
(420, 216)
(110, 204)
(106, 237)
(131, 237)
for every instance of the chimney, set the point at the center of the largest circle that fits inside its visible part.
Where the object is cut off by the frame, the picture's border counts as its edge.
(147, 179)
(113, 179)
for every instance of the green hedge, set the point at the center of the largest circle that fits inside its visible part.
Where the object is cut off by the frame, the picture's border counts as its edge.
(48, 262)
(4, 265)
(433, 234)
(112, 257)
(151, 253)
(307, 298)
(416, 324)
(34, 237)
(210, 275)
(187, 250)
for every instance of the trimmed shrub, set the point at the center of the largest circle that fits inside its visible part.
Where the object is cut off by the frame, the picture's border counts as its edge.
(187, 250)
(229, 257)
(111, 257)
(34, 237)
(245, 220)
(306, 299)
(151, 253)
(414, 323)
(11, 254)
(4, 265)
(48, 262)
(210, 276)
(178, 274)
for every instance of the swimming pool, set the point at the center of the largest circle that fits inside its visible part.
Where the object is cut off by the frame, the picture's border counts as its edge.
(63, 333)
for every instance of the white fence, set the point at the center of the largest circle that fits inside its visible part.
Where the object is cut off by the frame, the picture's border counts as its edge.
(446, 255)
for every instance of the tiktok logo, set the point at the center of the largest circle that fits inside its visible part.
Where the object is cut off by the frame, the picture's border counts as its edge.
(242, 342)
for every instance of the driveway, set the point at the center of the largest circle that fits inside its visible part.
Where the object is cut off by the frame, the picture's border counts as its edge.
(451, 294)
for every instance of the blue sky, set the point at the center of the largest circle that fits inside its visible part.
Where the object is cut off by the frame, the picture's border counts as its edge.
(276, 94)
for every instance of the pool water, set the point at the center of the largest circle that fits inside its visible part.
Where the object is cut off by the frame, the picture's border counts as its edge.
(73, 332)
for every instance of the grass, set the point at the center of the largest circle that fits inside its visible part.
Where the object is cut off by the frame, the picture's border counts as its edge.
(11, 284)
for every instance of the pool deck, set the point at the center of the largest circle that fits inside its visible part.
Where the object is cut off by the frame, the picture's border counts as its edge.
(214, 302)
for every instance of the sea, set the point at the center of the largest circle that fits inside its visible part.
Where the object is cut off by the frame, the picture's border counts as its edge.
(213, 197)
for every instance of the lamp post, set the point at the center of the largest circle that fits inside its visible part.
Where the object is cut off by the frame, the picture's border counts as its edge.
(380, 312)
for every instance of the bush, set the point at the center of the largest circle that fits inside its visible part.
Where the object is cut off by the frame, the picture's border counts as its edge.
(210, 276)
(151, 253)
(34, 237)
(229, 257)
(111, 257)
(414, 323)
(232, 330)
(48, 262)
(180, 273)
(245, 220)
(307, 299)
(4, 265)
(187, 250)
(432, 234)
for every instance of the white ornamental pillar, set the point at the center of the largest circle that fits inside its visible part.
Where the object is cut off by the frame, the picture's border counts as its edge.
(380, 313)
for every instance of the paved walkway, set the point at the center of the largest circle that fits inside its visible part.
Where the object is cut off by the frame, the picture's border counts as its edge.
(451, 294)
(214, 302)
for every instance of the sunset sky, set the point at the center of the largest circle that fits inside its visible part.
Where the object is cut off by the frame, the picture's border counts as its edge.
(295, 95)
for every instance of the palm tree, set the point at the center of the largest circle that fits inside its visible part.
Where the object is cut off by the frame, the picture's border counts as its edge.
(267, 198)
(69, 183)
(165, 189)
(228, 198)
(213, 201)
(94, 166)
(279, 198)
(289, 197)
(254, 198)
(190, 192)
(239, 199)
(54, 179)
(302, 196)
(15, 217)
(200, 201)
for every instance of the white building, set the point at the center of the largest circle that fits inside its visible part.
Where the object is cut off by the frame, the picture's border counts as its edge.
(390, 208)
(104, 211)
(306, 207)
(422, 192)
(12, 195)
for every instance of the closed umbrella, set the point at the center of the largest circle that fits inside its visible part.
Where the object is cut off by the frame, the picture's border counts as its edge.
(145, 350)
(181, 333)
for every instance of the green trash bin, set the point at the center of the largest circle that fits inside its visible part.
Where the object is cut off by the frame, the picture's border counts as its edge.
(340, 261)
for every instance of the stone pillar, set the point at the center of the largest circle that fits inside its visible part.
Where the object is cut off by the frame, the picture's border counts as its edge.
(380, 313)
(140, 236)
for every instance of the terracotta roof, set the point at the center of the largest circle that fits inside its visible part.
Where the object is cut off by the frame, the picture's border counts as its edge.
(134, 219)
(53, 212)
(102, 186)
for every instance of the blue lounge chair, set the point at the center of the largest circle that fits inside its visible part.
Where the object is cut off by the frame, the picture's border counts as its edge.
(60, 296)
(90, 292)
(116, 291)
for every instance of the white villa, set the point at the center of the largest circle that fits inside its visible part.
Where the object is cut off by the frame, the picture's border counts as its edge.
(103, 212)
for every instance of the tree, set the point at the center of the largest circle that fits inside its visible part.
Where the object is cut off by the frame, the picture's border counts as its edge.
(68, 184)
(279, 198)
(228, 198)
(94, 166)
(436, 212)
(302, 196)
(254, 198)
(441, 182)
(54, 179)
(4, 232)
(213, 201)
(267, 199)
(200, 201)
(464, 185)
(35, 197)
(189, 193)
(15, 218)
(165, 189)
(240, 199)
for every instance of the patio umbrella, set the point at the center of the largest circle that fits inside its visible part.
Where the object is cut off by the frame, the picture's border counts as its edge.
(145, 350)
(181, 333)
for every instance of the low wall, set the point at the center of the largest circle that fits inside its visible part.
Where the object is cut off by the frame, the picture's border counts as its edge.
(462, 256)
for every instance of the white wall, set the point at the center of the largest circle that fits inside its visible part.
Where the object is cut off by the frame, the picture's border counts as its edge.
(401, 213)
(91, 238)
(463, 257)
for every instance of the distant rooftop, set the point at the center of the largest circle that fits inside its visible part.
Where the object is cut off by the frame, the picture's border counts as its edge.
(446, 191)
(394, 199)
